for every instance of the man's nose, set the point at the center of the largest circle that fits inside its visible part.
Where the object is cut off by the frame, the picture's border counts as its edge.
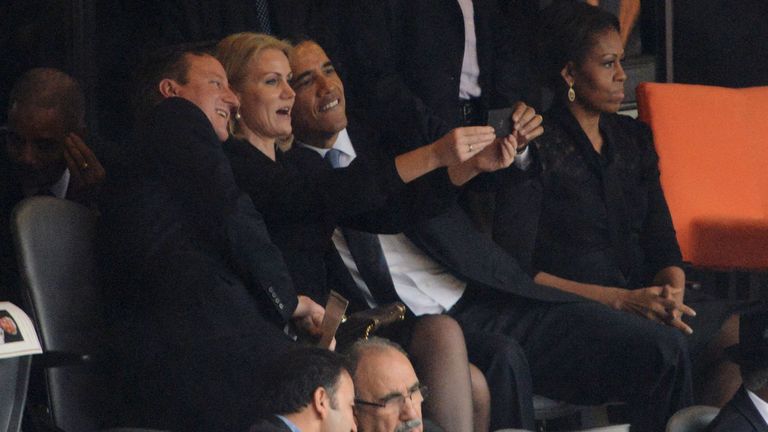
(324, 84)
(230, 98)
(410, 411)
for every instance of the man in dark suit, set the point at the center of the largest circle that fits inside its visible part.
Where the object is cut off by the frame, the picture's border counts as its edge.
(43, 153)
(200, 295)
(309, 390)
(445, 265)
(748, 410)
(321, 127)
(429, 66)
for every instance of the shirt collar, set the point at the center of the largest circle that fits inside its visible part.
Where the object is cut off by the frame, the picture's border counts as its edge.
(760, 404)
(288, 423)
(58, 189)
(343, 144)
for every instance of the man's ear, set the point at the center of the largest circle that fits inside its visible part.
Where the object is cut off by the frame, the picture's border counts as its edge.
(168, 87)
(321, 402)
(567, 73)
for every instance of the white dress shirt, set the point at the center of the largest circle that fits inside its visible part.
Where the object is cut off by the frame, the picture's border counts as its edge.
(422, 284)
(469, 86)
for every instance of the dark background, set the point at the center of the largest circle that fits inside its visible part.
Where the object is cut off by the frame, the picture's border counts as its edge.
(716, 42)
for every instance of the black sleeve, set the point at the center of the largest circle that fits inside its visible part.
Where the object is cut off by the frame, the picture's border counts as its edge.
(301, 187)
(657, 237)
(185, 149)
(374, 50)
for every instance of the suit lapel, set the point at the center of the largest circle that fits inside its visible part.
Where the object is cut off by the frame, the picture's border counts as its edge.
(744, 405)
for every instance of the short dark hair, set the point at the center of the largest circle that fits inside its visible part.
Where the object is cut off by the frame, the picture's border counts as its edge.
(159, 64)
(566, 32)
(49, 88)
(294, 377)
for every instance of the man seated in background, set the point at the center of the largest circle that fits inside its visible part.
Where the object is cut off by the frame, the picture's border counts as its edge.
(308, 390)
(200, 297)
(43, 153)
(388, 394)
(748, 410)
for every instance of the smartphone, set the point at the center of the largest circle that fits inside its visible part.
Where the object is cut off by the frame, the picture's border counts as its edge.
(501, 121)
(334, 314)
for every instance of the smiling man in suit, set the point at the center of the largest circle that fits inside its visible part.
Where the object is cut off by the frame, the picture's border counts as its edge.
(190, 258)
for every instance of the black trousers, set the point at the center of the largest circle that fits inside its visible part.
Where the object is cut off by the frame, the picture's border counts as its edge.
(506, 370)
(587, 353)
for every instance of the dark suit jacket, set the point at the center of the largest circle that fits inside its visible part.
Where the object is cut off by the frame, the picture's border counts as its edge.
(407, 57)
(739, 415)
(271, 424)
(182, 197)
(199, 294)
(445, 232)
(303, 199)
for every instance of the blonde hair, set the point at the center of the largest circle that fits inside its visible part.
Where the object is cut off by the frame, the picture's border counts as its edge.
(235, 52)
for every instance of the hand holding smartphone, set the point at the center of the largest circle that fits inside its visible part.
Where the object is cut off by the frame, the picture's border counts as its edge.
(501, 121)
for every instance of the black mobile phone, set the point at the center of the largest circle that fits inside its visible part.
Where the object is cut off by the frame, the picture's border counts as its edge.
(501, 121)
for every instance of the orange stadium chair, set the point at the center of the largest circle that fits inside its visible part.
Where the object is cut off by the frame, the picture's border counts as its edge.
(713, 156)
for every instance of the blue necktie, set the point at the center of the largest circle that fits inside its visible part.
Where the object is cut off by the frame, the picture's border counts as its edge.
(333, 157)
(365, 249)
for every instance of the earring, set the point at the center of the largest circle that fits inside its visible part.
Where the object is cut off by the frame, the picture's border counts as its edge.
(571, 93)
(237, 114)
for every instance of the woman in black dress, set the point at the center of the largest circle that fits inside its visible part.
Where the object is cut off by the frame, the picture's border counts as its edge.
(599, 223)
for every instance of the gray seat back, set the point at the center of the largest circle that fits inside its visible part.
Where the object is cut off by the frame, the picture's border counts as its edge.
(54, 245)
(14, 379)
(692, 419)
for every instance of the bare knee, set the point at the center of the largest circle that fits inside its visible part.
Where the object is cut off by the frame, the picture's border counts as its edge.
(433, 333)
(481, 396)
(481, 399)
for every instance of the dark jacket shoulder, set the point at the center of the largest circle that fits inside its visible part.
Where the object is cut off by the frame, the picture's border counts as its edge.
(739, 415)
(271, 424)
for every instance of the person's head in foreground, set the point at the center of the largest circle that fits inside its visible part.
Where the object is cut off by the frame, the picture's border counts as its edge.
(312, 389)
(388, 394)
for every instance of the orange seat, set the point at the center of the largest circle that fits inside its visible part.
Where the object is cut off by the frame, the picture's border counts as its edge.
(713, 146)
